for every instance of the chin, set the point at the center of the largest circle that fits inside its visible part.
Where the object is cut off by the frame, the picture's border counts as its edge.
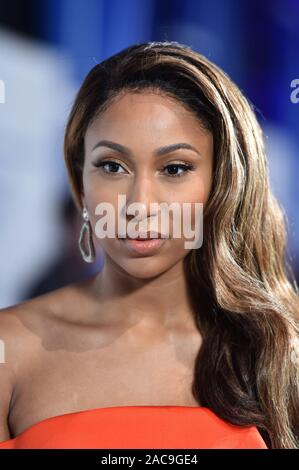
(144, 268)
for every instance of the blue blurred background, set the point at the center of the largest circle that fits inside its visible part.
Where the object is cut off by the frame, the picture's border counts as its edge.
(46, 49)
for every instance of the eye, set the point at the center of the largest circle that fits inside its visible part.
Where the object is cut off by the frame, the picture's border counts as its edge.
(174, 167)
(114, 166)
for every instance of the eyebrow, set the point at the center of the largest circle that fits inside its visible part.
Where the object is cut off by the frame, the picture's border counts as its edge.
(158, 152)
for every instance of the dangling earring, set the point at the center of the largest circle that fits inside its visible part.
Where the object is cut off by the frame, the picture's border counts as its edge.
(89, 256)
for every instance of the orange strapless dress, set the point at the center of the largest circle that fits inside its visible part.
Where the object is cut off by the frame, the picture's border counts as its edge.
(137, 427)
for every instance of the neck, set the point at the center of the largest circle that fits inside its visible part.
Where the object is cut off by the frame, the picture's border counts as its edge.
(162, 300)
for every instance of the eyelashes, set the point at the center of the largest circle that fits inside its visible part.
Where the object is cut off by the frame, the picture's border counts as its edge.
(185, 167)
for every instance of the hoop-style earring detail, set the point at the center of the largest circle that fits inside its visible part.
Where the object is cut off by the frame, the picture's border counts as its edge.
(85, 235)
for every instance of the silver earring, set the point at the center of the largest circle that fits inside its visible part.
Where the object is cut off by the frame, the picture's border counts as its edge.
(85, 232)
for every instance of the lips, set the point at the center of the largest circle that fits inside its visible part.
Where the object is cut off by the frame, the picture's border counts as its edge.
(148, 236)
(139, 238)
(143, 247)
(145, 243)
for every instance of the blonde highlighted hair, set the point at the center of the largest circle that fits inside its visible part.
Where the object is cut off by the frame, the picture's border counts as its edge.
(243, 291)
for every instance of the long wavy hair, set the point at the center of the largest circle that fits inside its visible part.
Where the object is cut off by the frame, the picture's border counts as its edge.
(243, 291)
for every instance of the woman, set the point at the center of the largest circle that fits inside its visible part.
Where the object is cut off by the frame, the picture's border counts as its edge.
(199, 343)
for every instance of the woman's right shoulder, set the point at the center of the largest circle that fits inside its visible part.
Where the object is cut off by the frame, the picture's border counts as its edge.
(14, 346)
(24, 325)
(18, 320)
(22, 328)
(25, 321)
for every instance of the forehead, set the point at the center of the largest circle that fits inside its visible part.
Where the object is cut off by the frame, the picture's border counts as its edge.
(145, 117)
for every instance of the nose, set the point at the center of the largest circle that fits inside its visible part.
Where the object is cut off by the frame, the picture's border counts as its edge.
(142, 193)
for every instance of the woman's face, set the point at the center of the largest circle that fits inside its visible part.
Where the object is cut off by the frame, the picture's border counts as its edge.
(140, 124)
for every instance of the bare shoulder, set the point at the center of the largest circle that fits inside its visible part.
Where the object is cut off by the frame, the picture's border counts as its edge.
(23, 325)
(14, 344)
(28, 316)
(24, 328)
(22, 321)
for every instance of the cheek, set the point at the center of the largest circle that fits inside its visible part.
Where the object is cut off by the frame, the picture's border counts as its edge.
(196, 190)
(191, 199)
(96, 193)
(200, 189)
